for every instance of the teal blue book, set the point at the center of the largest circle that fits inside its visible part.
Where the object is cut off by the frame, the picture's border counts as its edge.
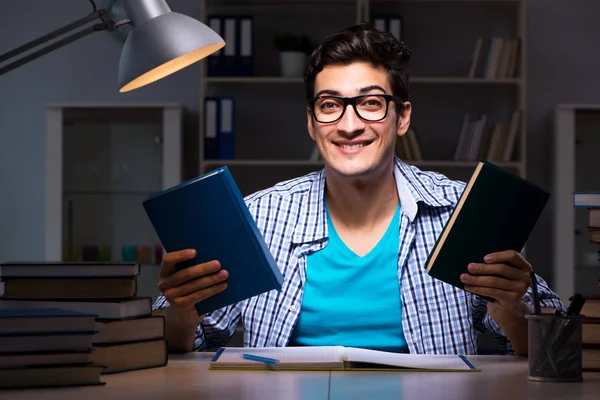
(209, 214)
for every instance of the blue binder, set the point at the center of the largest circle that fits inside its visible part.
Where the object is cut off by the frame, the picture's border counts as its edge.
(230, 51)
(245, 52)
(211, 127)
(209, 214)
(214, 62)
(391, 23)
(226, 130)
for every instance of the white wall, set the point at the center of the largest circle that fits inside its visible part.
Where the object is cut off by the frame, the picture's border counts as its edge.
(83, 71)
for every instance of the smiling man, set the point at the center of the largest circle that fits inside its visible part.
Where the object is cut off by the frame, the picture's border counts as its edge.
(352, 239)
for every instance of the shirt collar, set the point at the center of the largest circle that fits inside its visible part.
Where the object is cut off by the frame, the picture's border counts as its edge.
(413, 188)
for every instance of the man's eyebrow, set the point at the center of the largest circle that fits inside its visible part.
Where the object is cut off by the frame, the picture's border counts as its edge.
(366, 89)
(328, 92)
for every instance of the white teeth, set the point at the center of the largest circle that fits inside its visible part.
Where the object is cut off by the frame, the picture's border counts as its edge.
(352, 146)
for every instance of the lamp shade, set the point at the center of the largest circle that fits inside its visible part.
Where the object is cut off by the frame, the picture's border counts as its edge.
(162, 45)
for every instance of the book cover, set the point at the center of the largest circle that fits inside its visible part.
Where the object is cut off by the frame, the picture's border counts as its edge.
(209, 214)
(497, 211)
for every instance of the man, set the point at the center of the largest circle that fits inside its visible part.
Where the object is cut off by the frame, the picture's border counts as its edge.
(351, 240)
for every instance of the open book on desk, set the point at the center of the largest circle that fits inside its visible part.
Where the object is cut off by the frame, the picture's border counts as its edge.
(333, 358)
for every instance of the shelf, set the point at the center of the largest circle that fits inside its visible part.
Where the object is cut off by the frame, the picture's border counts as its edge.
(464, 80)
(107, 193)
(309, 163)
(278, 3)
(395, 2)
(450, 80)
(313, 3)
(252, 79)
(265, 163)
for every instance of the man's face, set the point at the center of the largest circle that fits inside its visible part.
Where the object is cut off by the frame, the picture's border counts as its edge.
(351, 146)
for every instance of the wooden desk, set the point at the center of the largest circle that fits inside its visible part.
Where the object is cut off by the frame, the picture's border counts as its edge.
(187, 377)
(501, 377)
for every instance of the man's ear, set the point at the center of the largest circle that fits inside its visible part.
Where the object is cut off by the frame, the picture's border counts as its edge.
(310, 123)
(404, 119)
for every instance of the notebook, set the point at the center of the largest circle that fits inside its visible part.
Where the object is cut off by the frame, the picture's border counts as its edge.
(497, 211)
(209, 214)
(333, 358)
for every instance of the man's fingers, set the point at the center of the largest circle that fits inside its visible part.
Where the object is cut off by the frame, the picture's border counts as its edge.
(188, 302)
(514, 258)
(187, 274)
(208, 292)
(503, 270)
(196, 285)
(170, 259)
(493, 282)
(504, 296)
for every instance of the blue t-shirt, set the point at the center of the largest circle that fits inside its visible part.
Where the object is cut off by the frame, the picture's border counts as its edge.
(353, 300)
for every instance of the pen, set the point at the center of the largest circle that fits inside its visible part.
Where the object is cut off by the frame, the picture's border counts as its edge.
(576, 305)
(568, 328)
(534, 291)
(265, 360)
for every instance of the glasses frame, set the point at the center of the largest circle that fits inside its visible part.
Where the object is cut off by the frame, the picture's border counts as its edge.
(352, 101)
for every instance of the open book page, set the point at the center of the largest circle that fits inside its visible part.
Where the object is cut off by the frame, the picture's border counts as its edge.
(287, 357)
(357, 357)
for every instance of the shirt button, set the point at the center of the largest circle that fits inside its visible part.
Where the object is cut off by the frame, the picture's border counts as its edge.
(292, 308)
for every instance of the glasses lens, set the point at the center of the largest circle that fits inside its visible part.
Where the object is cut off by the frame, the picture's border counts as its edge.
(370, 108)
(328, 109)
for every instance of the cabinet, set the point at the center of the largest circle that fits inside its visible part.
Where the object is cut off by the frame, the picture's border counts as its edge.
(102, 161)
(576, 267)
(270, 140)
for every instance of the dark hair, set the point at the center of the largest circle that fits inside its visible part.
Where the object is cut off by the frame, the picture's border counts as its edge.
(361, 43)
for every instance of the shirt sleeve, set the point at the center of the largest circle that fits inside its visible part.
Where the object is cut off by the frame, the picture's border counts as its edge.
(483, 323)
(217, 327)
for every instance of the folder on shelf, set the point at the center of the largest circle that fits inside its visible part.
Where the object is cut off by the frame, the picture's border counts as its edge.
(245, 59)
(230, 49)
(208, 214)
(226, 112)
(393, 24)
(396, 27)
(380, 23)
(214, 62)
(211, 127)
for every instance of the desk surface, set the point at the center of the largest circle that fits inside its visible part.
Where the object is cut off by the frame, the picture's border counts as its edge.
(187, 377)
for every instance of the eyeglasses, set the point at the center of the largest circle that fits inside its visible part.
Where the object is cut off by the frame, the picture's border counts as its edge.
(370, 107)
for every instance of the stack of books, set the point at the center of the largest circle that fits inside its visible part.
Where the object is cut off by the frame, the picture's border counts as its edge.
(125, 336)
(47, 347)
(590, 331)
(591, 308)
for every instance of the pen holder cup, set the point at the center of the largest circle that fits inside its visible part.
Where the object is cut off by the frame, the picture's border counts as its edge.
(554, 348)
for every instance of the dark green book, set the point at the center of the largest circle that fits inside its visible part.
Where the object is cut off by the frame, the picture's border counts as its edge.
(497, 211)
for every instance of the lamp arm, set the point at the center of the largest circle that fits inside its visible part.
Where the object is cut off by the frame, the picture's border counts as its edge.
(105, 24)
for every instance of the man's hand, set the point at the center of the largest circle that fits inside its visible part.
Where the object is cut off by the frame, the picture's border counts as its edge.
(184, 288)
(504, 277)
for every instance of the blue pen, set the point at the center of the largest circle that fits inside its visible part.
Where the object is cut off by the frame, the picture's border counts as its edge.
(265, 360)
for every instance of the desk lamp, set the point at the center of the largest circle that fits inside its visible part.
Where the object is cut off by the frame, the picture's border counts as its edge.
(160, 43)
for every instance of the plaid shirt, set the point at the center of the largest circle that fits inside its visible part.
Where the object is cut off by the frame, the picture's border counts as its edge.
(437, 318)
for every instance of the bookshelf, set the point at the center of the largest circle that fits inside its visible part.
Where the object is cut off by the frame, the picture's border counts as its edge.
(270, 138)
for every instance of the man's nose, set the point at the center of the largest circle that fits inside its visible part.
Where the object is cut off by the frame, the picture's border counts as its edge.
(350, 121)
